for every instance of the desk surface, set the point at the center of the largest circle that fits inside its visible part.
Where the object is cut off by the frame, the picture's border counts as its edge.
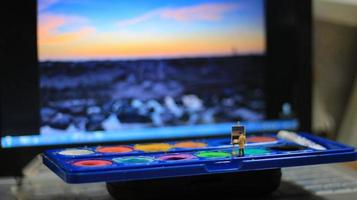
(310, 182)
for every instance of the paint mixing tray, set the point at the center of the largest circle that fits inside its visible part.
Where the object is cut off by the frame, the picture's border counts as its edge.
(188, 158)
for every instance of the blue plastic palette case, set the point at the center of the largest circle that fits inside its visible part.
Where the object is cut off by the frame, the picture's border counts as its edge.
(147, 161)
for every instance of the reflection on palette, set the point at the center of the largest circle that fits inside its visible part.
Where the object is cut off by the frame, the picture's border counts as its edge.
(185, 158)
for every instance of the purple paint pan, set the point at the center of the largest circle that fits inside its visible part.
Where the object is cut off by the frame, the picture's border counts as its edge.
(178, 156)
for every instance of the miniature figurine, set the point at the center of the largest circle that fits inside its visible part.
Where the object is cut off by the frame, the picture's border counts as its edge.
(238, 138)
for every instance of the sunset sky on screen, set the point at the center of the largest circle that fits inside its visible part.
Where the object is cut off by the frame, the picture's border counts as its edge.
(135, 29)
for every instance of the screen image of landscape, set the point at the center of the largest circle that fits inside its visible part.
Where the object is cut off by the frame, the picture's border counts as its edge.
(123, 65)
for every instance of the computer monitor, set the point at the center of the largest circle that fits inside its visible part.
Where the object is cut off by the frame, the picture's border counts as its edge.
(117, 71)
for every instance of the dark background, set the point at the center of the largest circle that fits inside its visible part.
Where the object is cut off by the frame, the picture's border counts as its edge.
(288, 71)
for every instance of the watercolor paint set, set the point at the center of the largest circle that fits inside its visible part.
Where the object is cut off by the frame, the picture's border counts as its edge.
(147, 161)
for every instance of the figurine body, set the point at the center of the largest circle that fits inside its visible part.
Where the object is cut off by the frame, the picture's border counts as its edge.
(241, 142)
(238, 138)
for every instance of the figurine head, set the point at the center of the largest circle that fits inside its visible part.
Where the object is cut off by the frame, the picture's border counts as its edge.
(237, 130)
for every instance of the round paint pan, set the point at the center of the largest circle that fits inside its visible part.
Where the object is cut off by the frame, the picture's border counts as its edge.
(190, 144)
(175, 157)
(75, 152)
(154, 147)
(212, 154)
(255, 151)
(260, 139)
(134, 160)
(115, 149)
(92, 163)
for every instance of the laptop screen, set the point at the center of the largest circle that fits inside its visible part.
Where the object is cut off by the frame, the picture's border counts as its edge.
(128, 70)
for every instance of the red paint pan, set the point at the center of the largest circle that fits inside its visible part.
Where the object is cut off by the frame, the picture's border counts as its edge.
(92, 163)
(115, 149)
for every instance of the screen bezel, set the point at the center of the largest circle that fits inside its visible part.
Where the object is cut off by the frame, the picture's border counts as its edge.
(288, 71)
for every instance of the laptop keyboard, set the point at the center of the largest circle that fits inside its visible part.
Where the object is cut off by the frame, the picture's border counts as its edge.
(322, 179)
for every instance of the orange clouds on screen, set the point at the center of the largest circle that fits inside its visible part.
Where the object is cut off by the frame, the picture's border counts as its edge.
(135, 45)
(49, 33)
(202, 12)
(206, 12)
